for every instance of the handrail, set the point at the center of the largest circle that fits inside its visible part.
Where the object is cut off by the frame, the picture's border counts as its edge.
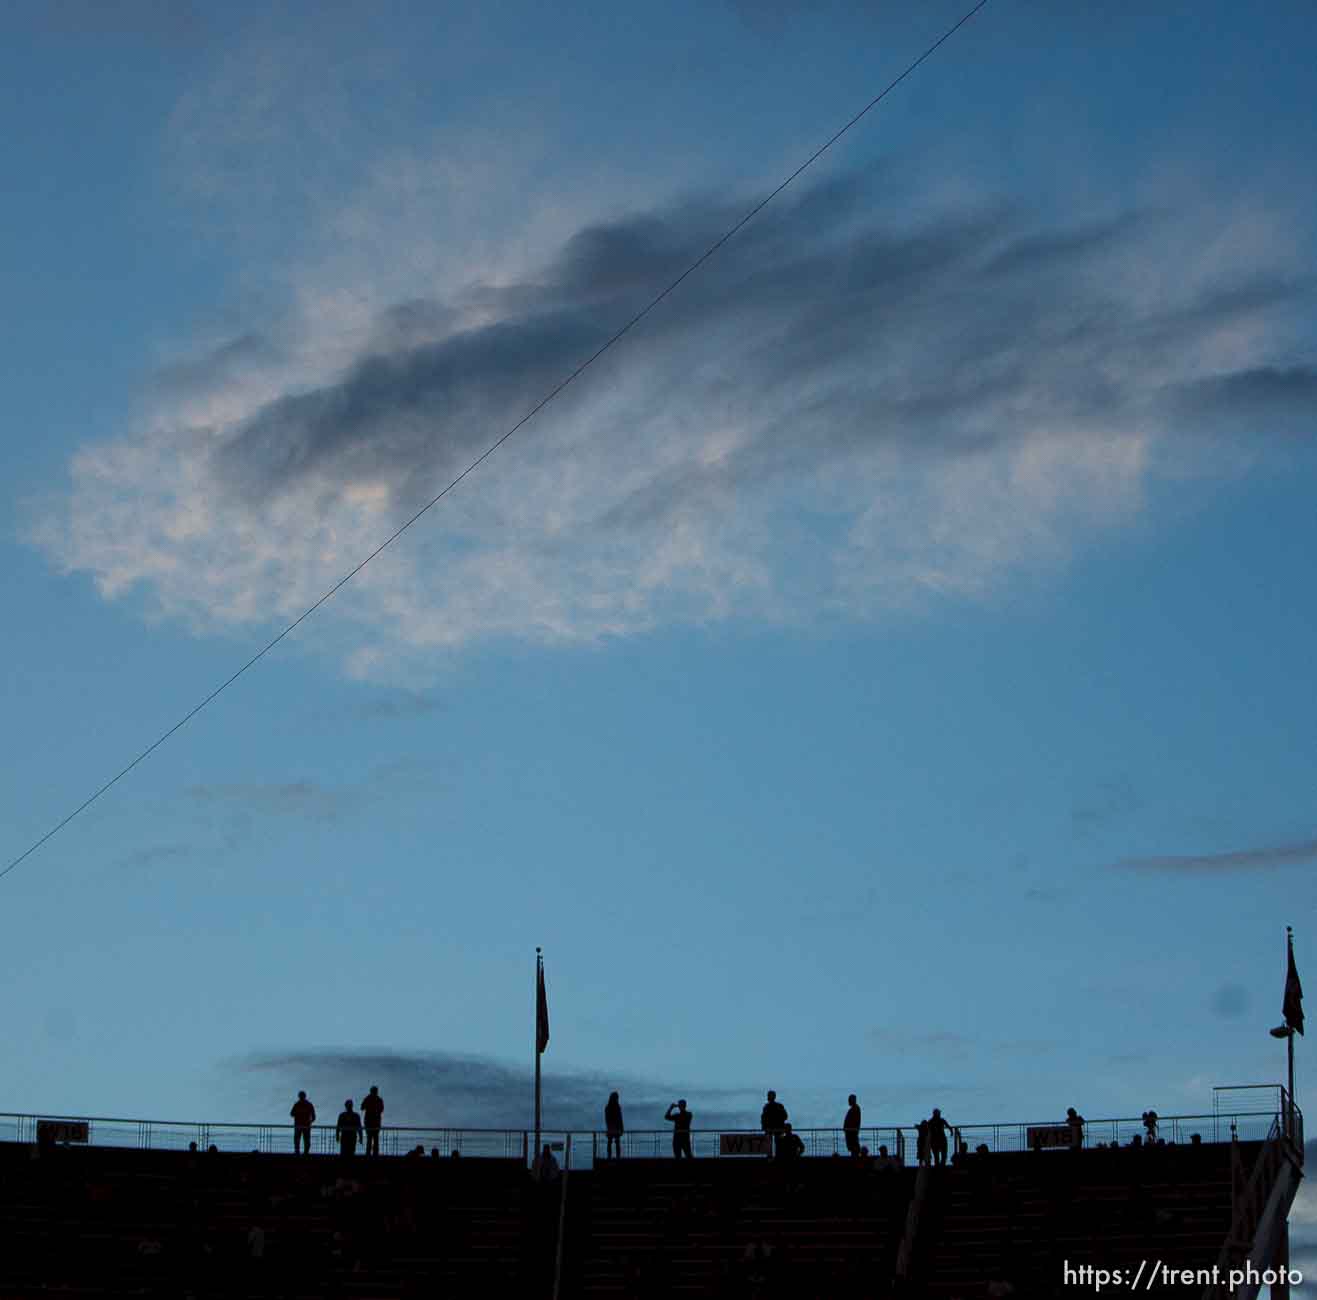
(397, 1139)
(1250, 1202)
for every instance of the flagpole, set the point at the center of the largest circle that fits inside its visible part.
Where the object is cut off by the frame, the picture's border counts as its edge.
(1289, 1038)
(539, 978)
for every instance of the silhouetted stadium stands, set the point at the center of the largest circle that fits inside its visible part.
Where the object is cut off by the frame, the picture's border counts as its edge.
(84, 1220)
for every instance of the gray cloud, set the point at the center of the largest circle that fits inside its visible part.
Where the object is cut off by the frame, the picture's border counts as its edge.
(306, 799)
(1112, 803)
(931, 1043)
(152, 855)
(1264, 399)
(1038, 894)
(859, 402)
(1275, 855)
(398, 704)
(1230, 1001)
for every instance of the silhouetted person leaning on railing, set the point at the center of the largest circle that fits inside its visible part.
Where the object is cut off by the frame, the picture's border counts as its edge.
(348, 1130)
(372, 1112)
(304, 1115)
(613, 1125)
(680, 1118)
(850, 1126)
(1075, 1122)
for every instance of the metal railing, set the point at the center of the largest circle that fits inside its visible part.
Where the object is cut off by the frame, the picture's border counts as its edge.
(1177, 1129)
(179, 1135)
(591, 1146)
(653, 1144)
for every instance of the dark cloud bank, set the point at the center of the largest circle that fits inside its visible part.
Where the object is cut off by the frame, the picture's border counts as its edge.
(438, 1089)
(443, 1089)
(1259, 859)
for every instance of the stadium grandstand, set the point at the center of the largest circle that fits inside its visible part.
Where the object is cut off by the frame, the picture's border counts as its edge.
(1194, 1205)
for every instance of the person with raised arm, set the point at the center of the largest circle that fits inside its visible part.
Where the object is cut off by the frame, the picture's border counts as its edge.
(680, 1118)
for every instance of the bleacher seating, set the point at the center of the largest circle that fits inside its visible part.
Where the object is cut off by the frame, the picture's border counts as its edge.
(114, 1222)
(723, 1227)
(1022, 1217)
(110, 1222)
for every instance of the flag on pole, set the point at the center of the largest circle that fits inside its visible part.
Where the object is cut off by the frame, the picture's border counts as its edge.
(542, 1012)
(1293, 1011)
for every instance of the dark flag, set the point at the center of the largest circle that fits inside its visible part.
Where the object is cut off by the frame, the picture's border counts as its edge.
(1293, 1011)
(542, 1012)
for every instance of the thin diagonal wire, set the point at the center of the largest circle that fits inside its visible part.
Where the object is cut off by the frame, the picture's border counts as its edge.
(494, 446)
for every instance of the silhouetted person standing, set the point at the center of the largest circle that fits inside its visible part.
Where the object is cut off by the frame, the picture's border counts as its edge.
(680, 1118)
(850, 1126)
(773, 1117)
(304, 1115)
(372, 1111)
(937, 1137)
(921, 1141)
(613, 1124)
(349, 1130)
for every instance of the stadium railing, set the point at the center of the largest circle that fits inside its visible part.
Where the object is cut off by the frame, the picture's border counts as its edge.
(589, 1147)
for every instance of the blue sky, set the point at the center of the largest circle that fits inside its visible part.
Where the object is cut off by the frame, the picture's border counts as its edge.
(888, 670)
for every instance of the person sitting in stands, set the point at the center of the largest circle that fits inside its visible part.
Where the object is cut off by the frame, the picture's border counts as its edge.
(789, 1145)
(546, 1168)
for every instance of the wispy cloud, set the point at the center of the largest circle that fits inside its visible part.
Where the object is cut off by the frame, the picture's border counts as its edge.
(305, 799)
(848, 410)
(1259, 859)
(154, 854)
(394, 705)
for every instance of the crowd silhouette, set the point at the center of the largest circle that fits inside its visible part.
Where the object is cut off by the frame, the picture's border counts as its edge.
(936, 1138)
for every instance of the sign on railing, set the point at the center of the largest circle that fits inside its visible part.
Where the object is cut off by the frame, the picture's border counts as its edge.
(63, 1130)
(1044, 1137)
(745, 1144)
